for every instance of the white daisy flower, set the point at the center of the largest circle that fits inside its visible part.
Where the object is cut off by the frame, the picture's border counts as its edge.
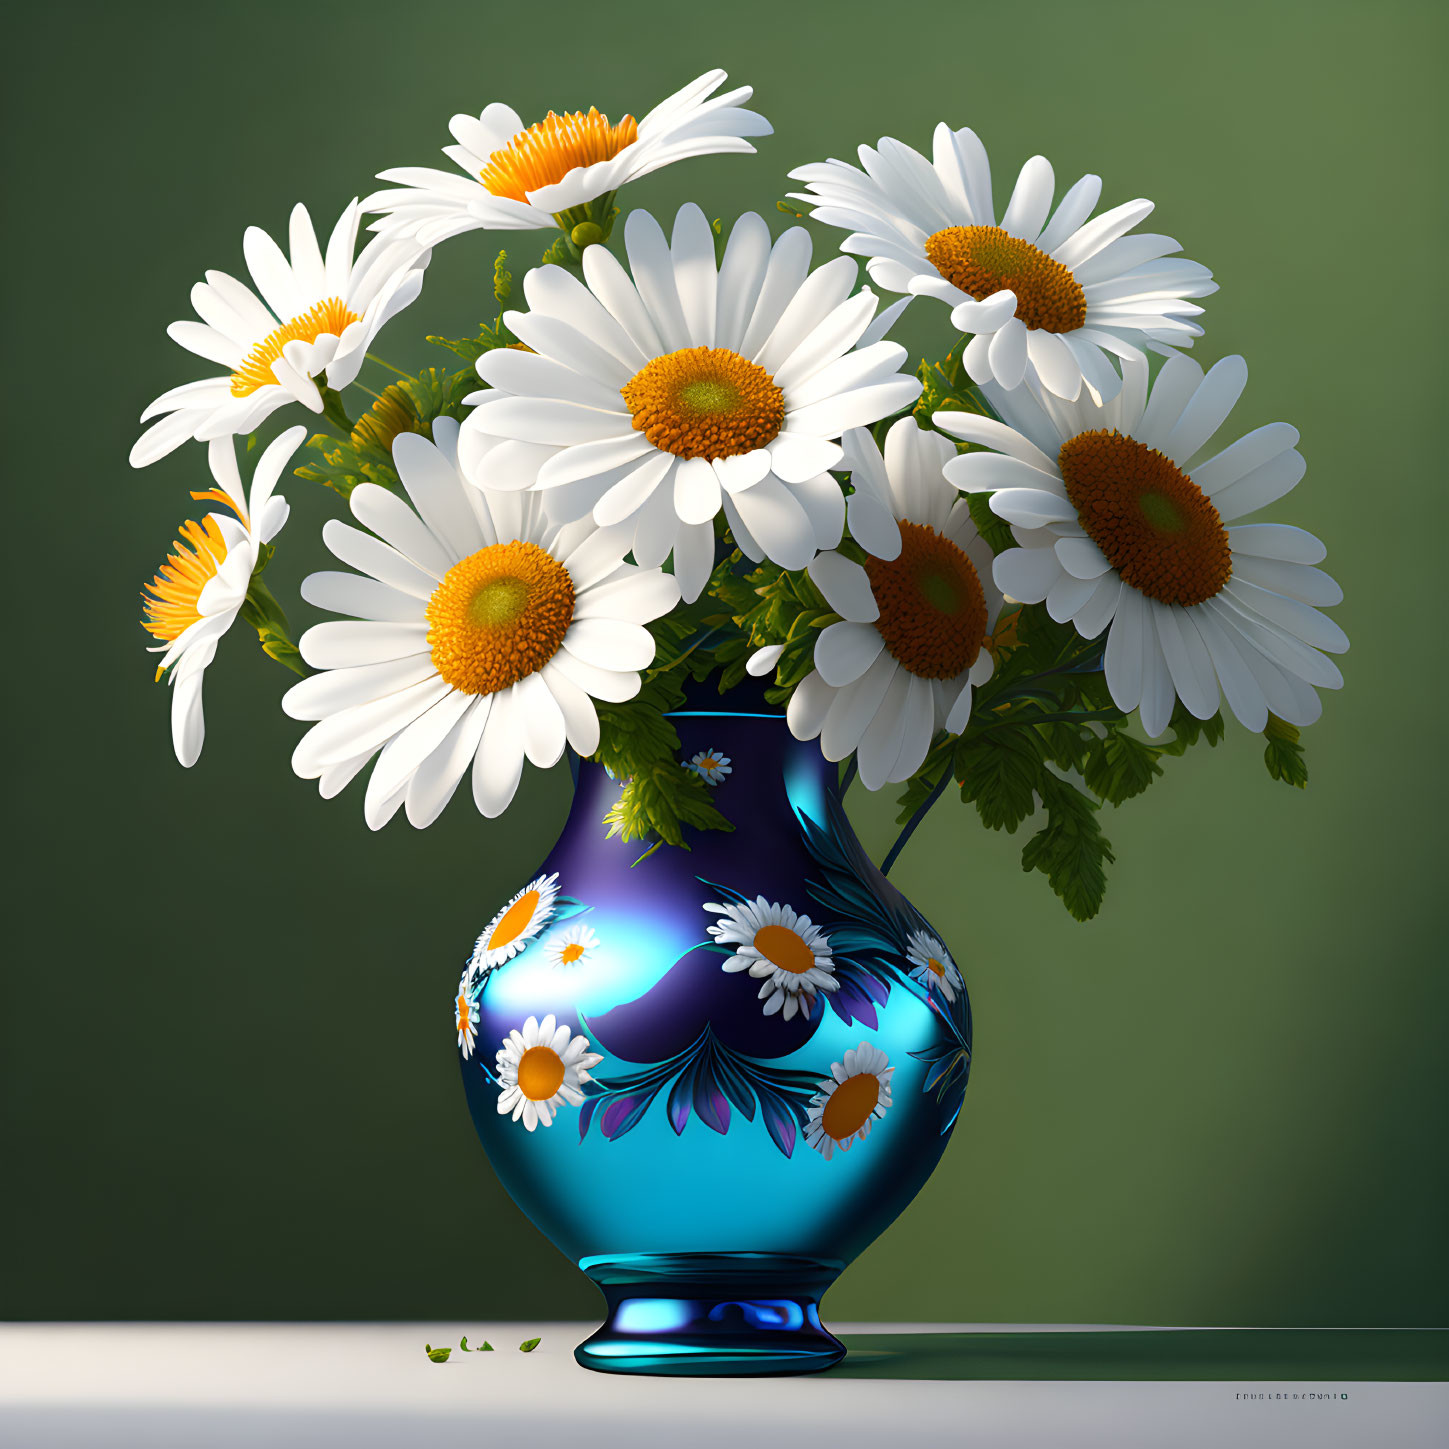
(1124, 529)
(541, 1067)
(314, 317)
(654, 403)
(570, 946)
(911, 642)
(855, 1094)
(932, 964)
(711, 766)
(200, 589)
(521, 177)
(480, 634)
(1045, 299)
(525, 915)
(465, 1014)
(775, 944)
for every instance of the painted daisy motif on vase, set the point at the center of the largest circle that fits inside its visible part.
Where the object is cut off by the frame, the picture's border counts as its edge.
(1042, 298)
(316, 318)
(570, 946)
(516, 924)
(931, 964)
(910, 646)
(711, 766)
(480, 635)
(654, 402)
(465, 1014)
(519, 177)
(779, 947)
(1127, 528)
(200, 589)
(541, 1068)
(855, 1095)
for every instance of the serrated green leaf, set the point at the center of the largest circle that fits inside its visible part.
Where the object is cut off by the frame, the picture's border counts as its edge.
(1284, 754)
(1070, 849)
(1120, 767)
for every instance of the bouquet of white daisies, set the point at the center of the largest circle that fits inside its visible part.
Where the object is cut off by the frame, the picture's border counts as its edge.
(685, 451)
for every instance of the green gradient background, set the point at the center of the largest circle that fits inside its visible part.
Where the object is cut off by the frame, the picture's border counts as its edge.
(229, 1089)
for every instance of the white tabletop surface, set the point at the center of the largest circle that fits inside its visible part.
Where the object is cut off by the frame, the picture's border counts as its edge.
(366, 1386)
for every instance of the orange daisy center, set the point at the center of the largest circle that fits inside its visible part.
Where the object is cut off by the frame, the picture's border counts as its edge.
(574, 951)
(463, 1012)
(705, 402)
(932, 606)
(330, 316)
(1157, 528)
(784, 949)
(515, 921)
(850, 1106)
(984, 260)
(547, 152)
(498, 616)
(935, 967)
(540, 1073)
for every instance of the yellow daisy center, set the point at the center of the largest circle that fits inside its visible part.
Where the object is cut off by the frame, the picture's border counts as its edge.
(574, 951)
(850, 1106)
(705, 402)
(175, 592)
(984, 260)
(463, 1012)
(516, 920)
(392, 414)
(547, 152)
(784, 949)
(498, 616)
(708, 762)
(331, 315)
(540, 1073)
(1154, 524)
(932, 607)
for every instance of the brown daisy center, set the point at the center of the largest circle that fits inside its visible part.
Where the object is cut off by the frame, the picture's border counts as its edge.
(850, 1106)
(498, 616)
(784, 949)
(984, 260)
(932, 607)
(1154, 524)
(705, 402)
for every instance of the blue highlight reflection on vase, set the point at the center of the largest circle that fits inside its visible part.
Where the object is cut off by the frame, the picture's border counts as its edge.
(767, 1096)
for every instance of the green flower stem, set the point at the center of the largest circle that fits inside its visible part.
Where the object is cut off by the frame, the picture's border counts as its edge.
(334, 411)
(262, 611)
(373, 357)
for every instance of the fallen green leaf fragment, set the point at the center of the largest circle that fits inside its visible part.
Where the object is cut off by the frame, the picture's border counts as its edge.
(487, 1347)
(438, 1355)
(528, 1345)
(463, 1344)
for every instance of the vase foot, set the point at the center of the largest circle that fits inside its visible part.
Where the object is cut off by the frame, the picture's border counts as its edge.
(711, 1315)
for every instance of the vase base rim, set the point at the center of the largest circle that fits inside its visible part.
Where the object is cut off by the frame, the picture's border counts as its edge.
(711, 1315)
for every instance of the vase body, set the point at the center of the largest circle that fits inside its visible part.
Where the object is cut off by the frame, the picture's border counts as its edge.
(696, 1182)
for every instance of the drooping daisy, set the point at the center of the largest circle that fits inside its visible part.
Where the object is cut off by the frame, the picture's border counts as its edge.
(1123, 529)
(480, 635)
(314, 317)
(855, 1094)
(570, 946)
(540, 1067)
(200, 589)
(465, 1014)
(902, 662)
(779, 947)
(932, 964)
(652, 403)
(521, 178)
(711, 766)
(525, 915)
(1042, 298)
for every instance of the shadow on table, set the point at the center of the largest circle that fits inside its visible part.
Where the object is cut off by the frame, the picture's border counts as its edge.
(1301, 1354)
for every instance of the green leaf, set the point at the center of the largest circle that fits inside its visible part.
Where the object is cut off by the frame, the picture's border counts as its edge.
(529, 1344)
(1284, 754)
(1070, 849)
(438, 1355)
(1187, 730)
(502, 279)
(486, 1348)
(463, 1344)
(1000, 770)
(1120, 767)
(996, 531)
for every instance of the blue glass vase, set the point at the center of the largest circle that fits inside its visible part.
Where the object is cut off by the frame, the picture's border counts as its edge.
(713, 1076)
